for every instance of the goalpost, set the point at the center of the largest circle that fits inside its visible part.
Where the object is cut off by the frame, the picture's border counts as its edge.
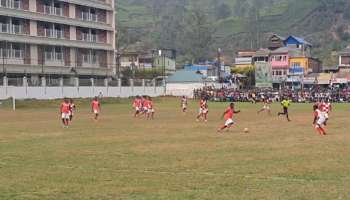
(13, 103)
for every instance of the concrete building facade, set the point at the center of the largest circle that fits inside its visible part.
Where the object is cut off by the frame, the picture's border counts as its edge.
(40, 38)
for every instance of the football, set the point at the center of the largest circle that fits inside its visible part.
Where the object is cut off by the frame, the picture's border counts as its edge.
(246, 130)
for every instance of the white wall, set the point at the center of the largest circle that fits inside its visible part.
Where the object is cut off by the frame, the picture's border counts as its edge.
(76, 92)
(182, 89)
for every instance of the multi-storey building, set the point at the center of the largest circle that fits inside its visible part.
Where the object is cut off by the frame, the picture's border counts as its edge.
(244, 58)
(57, 37)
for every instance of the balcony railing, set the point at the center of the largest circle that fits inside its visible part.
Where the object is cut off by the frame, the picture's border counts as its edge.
(11, 53)
(15, 4)
(4, 28)
(88, 16)
(50, 10)
(52, 33)
(243, 60)
(89, 37)
(89, 59)
(15, 29)
(54, 56)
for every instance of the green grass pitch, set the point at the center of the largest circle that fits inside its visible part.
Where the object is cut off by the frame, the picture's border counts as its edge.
(173, 156)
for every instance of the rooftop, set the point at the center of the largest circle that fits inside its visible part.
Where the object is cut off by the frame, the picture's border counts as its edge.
(184, 76)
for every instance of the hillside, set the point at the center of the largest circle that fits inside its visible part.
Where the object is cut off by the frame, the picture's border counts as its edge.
(234, 24)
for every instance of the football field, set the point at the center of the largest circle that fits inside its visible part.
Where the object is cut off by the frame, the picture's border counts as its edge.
(173, 156)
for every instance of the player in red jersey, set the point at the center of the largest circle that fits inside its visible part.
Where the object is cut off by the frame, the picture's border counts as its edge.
(95, 108)
(203, 110)
(228, 116)
(319, 120)
(137, 105)
(65, 112)
(184, 104)
(149, 107)
(72, 109)
(327, 108)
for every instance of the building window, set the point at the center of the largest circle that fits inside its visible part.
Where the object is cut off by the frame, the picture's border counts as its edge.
(17, 26)
(296, 64)
(53, 53)
(52, 8)
(11, 50)
(16, 4)
(89, 35)
(278, 58)
(4, 25)
(88, 14)
(53, 31)
(90, 57)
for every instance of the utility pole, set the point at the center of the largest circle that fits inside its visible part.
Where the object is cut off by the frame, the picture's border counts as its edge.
(219, 62)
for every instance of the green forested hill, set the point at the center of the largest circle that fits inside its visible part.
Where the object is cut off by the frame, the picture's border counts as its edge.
(197, 27)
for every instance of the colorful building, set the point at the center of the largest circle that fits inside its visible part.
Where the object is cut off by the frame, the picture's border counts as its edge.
(306, 65)
(279, 60)
(244, 58)
(276, 41)
(344, 58)
(161, 62)
(300, 44)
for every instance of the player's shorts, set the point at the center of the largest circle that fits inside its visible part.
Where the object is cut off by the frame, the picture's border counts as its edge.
(96, 112)
(320, 122)
(266, 107)
(184, 106)
(203, 111)
(150, 110)
(65, 115)
(229, 122)
(137, 109)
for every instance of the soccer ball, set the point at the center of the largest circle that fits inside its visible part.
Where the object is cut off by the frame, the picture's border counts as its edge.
(246, 130)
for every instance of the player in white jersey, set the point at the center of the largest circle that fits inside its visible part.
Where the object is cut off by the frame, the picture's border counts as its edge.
(266, 106)
(319, 120)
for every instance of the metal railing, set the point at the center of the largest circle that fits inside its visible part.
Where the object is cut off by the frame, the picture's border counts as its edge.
(50, 10)
(15, 82)
(17, 29)
(90, 59)
(85, 82)
(4, 28)
(15, 4)
(54, 56)
(54, 33)
(89, 37)
(72, 81)
(99, 82)
(86, 16)
(52, 82)
(11, 53)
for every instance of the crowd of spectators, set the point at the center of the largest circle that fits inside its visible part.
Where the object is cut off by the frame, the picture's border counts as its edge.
(299, 96)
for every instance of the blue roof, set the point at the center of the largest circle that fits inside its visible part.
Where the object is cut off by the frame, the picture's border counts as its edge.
(184, 76)
(296, 40)
(196, 68)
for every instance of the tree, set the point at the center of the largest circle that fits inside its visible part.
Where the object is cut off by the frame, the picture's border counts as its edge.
(223, 11)
(198, 33)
